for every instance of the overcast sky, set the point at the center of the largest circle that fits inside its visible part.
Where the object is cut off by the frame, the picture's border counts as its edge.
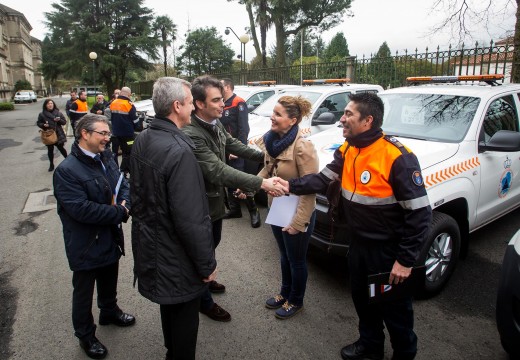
(403, 24)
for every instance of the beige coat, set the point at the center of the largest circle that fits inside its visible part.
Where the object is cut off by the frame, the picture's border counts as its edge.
(299, 159)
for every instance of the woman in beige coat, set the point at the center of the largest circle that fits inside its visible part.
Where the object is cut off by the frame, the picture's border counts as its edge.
(288, 155)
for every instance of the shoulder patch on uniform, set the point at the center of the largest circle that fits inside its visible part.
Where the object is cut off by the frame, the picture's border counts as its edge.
(240, 107)
(417, 178)
(392, 140)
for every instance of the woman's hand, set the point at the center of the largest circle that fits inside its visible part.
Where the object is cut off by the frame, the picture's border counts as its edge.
(291, 230)
(46, 124)
(57, 118)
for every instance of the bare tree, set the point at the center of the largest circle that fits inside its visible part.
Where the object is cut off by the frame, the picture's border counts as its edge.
(463, 15)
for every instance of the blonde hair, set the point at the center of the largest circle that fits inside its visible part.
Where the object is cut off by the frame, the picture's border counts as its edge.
(296, 106)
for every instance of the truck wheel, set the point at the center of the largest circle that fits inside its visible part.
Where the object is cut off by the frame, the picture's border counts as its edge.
(440, 253)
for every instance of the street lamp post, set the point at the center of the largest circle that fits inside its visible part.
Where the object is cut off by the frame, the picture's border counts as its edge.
(244, 39)
(93, 57)
(234, 33)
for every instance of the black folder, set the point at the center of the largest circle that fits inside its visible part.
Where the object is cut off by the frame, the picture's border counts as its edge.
(379, 290)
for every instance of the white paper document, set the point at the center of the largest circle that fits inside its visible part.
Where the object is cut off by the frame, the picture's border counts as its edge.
(282, 210)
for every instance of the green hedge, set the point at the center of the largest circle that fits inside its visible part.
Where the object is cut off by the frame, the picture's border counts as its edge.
(6, 106)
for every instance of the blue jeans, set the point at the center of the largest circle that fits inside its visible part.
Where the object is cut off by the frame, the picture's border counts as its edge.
(293, 261)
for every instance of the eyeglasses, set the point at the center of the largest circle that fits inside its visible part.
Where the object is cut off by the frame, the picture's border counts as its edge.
(103, 133)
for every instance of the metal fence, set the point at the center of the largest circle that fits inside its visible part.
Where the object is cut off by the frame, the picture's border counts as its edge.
(387, 71)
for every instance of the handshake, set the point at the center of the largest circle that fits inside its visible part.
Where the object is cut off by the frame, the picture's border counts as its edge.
(275, 186)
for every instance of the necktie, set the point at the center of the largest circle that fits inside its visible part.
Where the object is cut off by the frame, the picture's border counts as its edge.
(97, 158)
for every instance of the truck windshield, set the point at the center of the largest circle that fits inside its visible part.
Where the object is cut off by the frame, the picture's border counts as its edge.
(444, 118)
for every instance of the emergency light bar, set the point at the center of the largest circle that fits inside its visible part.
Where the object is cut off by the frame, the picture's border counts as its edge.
(265, 82)
(490, 79)
(326, 81)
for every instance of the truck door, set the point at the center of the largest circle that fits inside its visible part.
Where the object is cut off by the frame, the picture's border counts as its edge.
(499, 171)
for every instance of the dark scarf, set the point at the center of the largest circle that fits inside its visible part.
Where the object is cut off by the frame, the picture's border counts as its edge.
(366, 138)
(50, 117)
(276, 145)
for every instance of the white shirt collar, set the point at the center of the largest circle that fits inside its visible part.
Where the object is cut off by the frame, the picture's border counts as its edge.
(88, 153)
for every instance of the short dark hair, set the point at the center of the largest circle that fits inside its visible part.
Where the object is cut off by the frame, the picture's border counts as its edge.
(370, 104)
(87, 122)
(229, 82)
(199, 86)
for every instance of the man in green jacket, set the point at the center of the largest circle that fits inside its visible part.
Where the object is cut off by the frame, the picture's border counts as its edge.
(212, 142)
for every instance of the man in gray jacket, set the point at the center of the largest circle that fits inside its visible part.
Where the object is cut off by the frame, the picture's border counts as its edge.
(212, 142)
(172, 242)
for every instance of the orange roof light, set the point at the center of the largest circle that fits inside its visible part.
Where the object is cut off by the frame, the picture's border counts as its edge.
(326, 81)
(265, 82)
(455, 78)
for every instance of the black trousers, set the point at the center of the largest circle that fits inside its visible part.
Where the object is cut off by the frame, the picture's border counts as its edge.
(180, 325)
(50, 151)
(83, 282)
(372, 257)
(125, 143)
(206, 301)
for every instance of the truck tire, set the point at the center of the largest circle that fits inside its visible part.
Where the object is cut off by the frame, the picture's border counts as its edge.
(440, 253)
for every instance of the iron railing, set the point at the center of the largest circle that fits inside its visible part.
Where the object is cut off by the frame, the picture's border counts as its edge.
(387, 71)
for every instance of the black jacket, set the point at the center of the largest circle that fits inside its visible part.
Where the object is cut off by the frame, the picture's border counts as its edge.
(403, 217)
(91, 224)
(236, 118)
(46, 117)
(172, 239)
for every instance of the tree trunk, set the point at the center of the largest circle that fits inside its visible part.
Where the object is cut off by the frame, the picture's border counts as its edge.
(165, 49)
(252, 26)
(280, 41)
(515, 72)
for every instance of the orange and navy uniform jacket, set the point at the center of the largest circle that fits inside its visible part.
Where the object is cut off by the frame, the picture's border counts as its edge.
(78, 109)
(383, 194)
(235, 118)
(124, 117)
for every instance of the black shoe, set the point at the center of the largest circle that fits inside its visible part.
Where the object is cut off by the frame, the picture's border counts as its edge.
(359, 351)
(217, 313)
(93, 348)
(120, 319)
(215, 287)
(255, 218)
(233, 214)
(51, 167)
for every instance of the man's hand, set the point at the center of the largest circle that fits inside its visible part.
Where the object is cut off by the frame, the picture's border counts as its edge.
(239, 194)
(212, 277)
(283, 183)
(232, 157)
(272, 187)
(399, 273)
(123, 204)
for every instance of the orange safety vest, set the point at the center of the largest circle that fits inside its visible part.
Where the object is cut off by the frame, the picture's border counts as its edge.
(365, 177)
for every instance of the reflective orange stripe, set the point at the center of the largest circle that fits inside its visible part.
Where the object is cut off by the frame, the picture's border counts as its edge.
(452, 171)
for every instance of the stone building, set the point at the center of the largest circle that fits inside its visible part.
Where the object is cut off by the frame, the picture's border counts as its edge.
(20, 54)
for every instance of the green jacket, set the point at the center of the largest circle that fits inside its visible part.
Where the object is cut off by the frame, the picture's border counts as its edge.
(211, 144)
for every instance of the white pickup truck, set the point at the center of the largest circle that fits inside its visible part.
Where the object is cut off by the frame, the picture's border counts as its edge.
(467, 139)
(328, 99)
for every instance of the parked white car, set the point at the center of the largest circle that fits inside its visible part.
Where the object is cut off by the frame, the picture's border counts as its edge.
(25, 96)
(467, 140)
(256, 92)
(145, 111)
(328, 103)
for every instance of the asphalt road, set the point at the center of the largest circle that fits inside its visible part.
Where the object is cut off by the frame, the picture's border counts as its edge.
(35, 285)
